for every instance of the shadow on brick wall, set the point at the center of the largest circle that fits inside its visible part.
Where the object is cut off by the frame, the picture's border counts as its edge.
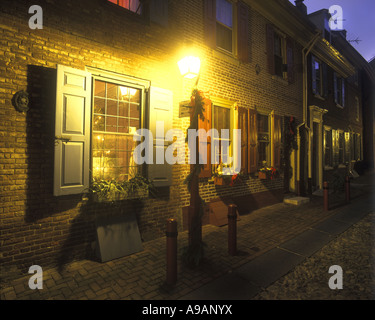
(58, 222)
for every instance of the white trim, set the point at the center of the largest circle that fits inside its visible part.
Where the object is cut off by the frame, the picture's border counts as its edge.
(118, 78)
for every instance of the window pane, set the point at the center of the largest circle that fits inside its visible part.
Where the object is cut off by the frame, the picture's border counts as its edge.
(112, 156)
(224, 12)
(262, 151)
(223, 37)
(99, 106)
(99, 123)
(221, 119)
(111, 108)
(99, 89)
(277, 45)
(263, 139)
(124, 3)
(262, 123)
(111, 91)
(279, 66)
(123, 125)
(328, 148)
(123, 109)
(134, 111)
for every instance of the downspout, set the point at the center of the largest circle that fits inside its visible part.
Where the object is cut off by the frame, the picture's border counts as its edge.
(305, 53)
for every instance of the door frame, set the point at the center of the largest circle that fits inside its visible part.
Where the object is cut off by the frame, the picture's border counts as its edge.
(316, 116)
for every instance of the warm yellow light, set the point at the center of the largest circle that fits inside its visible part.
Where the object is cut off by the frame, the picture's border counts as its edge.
(189, 67)
(125, 91)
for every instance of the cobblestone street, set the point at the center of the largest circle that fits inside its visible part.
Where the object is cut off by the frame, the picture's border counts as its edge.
(354, 251)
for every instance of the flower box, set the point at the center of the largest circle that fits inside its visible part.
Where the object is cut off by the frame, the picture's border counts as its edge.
(262, 175)
(220, 181)
(120, 196)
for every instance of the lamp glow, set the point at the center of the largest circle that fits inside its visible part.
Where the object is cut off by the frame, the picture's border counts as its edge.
(125, 91)
(189, 67)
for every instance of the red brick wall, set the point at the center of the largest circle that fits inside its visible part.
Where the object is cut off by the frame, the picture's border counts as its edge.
(37, 228)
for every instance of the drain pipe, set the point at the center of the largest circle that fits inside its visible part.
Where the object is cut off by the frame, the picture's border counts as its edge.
(305, 53)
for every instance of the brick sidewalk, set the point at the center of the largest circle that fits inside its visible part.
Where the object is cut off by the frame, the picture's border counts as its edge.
(141, 276)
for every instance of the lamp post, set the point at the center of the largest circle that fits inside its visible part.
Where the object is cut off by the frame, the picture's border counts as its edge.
(189, 68)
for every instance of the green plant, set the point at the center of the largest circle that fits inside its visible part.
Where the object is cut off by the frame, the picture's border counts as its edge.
(112, 190)
(271, 172)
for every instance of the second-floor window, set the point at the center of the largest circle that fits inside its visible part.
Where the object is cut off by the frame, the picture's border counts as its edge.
(224, 25)
(131, 5)
(319, 77)
(339, 90)
(279, 54)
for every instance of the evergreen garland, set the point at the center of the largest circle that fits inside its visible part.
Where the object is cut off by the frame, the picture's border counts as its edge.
(194, 253)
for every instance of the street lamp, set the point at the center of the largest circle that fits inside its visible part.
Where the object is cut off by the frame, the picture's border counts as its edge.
(189, 67)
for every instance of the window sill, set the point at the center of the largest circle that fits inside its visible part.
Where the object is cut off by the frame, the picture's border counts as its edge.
(281, 80)
(342, 166)
(328, 168)
(339, 106)
(226, 56)
(318, 96)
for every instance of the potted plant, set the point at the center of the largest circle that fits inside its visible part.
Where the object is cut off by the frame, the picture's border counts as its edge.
(228, 179)
(267, 173)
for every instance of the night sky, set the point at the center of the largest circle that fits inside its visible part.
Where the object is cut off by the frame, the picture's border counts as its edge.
(359, 16)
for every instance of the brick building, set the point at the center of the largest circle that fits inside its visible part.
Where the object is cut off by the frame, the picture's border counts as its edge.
(335, 99)
(99, 70)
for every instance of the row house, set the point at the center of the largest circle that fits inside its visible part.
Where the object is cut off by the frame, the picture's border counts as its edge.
(335, 100)
(74, 93)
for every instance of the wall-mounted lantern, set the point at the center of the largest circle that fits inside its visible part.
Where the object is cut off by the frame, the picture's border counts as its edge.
(189, 67)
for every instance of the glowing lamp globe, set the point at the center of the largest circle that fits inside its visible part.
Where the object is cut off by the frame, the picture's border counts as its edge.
(189, 67)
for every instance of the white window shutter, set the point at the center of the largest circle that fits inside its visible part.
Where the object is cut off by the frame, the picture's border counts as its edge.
(72, 131)
(161, 109)
(159, 12)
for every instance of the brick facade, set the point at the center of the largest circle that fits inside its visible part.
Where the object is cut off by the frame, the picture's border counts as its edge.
(38, 228)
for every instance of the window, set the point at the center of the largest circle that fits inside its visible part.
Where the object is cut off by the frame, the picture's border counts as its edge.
(356, 145)
(97, 114)
(319, 77)
(341, 146)
(328, 148)
(279, 55)
(116, 117)
(131, 5)
(221, 120)
(226, 28)
(224, 25)
(339, 90)
(347, 147)
(263, 140)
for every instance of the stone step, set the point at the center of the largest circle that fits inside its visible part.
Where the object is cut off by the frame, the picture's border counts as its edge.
(297, 201)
